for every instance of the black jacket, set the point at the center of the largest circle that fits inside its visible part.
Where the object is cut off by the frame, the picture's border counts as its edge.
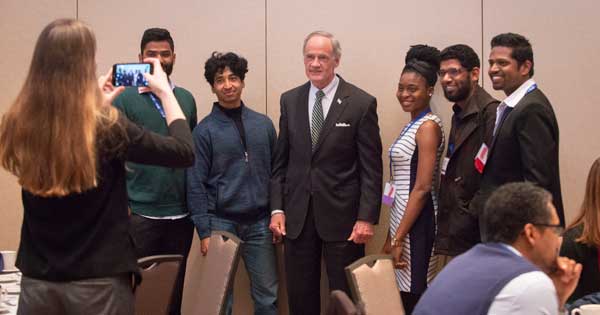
(587, 256)
(458, 228)
(86, 235)
(342, 177)
(524, 149)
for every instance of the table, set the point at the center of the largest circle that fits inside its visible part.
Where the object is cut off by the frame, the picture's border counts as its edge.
(10, 283)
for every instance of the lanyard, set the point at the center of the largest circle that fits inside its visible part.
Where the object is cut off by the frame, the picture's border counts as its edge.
(501, 115)
(158, 105)
(406, 129)
(455, 122)
(531, 88)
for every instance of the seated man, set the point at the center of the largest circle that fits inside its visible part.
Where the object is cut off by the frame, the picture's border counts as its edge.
(516, 270)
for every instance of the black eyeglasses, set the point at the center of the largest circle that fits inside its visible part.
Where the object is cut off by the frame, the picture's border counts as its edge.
(557, 228)
(452, 72)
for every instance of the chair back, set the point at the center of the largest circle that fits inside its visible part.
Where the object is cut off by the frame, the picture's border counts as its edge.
(209, 277)
(373, 284)
(153, 295)
(341, 304)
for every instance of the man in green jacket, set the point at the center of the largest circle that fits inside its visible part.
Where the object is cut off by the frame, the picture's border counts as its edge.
(160, 223)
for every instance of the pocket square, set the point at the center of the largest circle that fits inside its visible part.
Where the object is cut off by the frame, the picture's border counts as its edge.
(342, 125)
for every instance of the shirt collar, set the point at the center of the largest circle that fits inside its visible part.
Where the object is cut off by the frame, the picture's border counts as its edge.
(145, 89)
(512, 249)
(329, 90)
(230, 111)
(515, 97)
(457, 110)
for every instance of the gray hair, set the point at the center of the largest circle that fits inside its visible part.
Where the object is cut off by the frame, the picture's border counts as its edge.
(337, 49)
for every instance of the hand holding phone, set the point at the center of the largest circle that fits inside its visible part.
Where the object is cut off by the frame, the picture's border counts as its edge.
(158, 81)
(131, 74)
(160, 86)
(109, 91)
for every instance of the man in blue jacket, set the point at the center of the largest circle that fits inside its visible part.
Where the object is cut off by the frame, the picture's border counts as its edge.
(228, 187)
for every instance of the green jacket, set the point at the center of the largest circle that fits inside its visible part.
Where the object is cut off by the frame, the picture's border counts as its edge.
(153, 190)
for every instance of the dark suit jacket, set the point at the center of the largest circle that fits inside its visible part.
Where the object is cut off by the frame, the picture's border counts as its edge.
(524, 149)
(342, 177)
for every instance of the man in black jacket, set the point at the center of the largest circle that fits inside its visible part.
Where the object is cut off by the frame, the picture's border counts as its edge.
(525, 140)
(472, 125)
(326, 182)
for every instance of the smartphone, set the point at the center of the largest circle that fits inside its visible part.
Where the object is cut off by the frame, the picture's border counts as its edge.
(130, 74)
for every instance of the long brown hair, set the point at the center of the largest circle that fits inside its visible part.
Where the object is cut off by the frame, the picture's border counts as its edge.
(589, 216)
(48, 137)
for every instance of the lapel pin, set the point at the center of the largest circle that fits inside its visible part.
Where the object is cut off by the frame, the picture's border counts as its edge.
(339, 101)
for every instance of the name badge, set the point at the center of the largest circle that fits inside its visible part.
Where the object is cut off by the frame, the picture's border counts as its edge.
(389, 192)
(445, 165)
(481, 158)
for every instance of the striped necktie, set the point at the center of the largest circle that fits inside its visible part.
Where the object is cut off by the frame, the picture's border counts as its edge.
(317, 119)
(504, 111)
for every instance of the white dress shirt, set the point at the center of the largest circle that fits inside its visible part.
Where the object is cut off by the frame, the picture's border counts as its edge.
(530, 293)
(326, 101)
(513, 99)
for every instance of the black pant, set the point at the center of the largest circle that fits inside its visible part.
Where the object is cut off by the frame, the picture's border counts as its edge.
(409, 301)
(102, 296)
(164, 237)
(303, 267)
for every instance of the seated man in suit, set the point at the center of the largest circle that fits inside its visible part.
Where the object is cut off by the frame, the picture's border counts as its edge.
(516, 270)
(525, 139)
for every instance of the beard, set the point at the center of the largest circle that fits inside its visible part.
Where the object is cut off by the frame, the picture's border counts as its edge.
(461, 93)
(167, 68)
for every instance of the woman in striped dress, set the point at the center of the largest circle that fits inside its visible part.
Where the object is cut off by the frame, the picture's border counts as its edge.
(414, 167)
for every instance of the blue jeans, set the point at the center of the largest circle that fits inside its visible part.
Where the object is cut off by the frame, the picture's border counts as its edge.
(258, 253)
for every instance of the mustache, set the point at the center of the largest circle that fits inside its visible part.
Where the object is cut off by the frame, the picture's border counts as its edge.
(167, 68)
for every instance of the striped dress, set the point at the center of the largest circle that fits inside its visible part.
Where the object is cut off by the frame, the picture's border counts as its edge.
(417, 248)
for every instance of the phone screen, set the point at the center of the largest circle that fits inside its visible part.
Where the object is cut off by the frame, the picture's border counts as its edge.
(131, 74)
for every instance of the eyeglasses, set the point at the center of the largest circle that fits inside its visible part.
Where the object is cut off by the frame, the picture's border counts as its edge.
(557, 228)
(452, 72)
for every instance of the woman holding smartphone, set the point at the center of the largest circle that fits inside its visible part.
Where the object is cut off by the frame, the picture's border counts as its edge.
(68, 146)
(414, 161)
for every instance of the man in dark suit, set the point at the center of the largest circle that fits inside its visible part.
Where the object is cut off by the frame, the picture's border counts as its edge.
(327, 174)
(525, 139)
